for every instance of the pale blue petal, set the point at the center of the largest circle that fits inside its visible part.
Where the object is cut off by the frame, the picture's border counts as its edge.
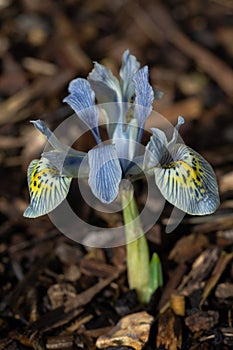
(155, 149)
(75, 166)
(105, 85)
(105, 173)
(158, 149)
(144, 97)
(130, 66)
(188, 182)
(82, 101)
(124, 138)
(176, 132)
(47, 188)
(108, 92)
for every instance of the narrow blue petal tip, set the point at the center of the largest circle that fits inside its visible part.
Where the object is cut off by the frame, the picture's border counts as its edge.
(181, 120)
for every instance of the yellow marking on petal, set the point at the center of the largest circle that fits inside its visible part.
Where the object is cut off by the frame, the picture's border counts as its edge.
(46, 186)
(188, 182)
(38, 179)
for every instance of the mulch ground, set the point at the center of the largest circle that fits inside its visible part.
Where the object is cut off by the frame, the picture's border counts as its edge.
(58, 294)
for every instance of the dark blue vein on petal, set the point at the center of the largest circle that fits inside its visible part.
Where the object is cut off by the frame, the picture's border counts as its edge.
(82, 101)
(105, 173)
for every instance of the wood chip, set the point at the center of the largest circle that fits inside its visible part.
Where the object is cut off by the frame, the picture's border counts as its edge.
(132, 330)
(221, 222)
(78, 323)
(224, 290)
(173, 282)
(225, 35)
(177, 303)
(38, 66)
(190, 107)
(13, 104)
(18, 296)
(59, 342)
(201, 268)
(224, 238)
(188, 247)
(169, 331)
(206, 60)
(86, 296)
(7, 142)
(91, 267)
(61, 292)
(216, 274)
(95, 333)
(226, 182)
(202, 320)
(228, 335)
(72, 272)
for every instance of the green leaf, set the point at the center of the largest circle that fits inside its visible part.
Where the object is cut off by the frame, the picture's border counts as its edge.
(156, 275)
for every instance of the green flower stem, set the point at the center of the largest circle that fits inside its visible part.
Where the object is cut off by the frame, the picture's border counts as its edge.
(138, 263)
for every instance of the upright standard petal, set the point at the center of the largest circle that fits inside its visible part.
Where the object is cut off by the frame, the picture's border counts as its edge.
(187, 181)
(82, 101)
(108, 93)
(47, 188)
(144, 97)
(130, 66)
(105, 85)
(105, 172)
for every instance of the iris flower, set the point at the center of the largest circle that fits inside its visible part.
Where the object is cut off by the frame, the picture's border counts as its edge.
(183, 176)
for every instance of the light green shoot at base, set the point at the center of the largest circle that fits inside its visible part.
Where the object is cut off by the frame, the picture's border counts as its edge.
(143, 276)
